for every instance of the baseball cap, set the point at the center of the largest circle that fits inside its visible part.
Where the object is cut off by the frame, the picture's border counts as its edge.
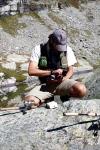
(60, 38)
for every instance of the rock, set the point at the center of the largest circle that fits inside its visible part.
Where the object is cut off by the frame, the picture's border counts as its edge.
(11, 65)
(8, 82)
(0, 58)
(4, 98)
(42, 129)
(16, 101)
(93, 84)
(10, 88)
(84, 63)
(13, 7)
(5, 9)
(51, 105)
(12, 13)
(17, 58)
(82, 106)
(1, 74)
(24, 66)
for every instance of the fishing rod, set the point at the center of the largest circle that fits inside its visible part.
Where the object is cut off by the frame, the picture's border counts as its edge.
(23, 108)
(81, 114)
(95, 126)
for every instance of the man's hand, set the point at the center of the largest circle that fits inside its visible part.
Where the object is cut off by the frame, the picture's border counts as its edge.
(57, 72)
(53, 79)
(56, 76)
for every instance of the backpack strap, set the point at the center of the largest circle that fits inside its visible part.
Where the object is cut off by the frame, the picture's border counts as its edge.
(46, 53)
(44, 50)
(44, 57)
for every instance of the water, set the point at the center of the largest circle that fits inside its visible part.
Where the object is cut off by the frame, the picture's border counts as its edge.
(12, 95)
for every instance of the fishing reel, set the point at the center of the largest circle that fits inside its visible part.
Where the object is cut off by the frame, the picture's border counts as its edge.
(58, 77)
(95, 127)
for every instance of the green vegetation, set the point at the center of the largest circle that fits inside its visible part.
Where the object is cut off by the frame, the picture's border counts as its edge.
(13, 73)
(83, 1)
(10, 24)
(37, 16)
(21, 86)
(20, 90)
(96, 97)
(74, 3)
(97, 64)
(12, 95)
(73, 32)
(80, 79)
(3, 103)
(88, 33)
(55, 18)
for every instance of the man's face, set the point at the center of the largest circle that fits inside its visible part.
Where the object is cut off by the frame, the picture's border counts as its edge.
(54, 47)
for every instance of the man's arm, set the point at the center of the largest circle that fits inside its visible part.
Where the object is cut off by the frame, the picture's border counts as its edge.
(33, 70)
(69, 73)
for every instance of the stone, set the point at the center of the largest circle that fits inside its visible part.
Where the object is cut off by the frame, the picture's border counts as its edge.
(17, 58)
(4, 98)
(24, 66)
(51, 105)
(1, 74)
(5, 8)
(0, 58)
(11, 80)
(13, 7)
(11, 65)
(12, 13)
(84, 63)
(16, 101)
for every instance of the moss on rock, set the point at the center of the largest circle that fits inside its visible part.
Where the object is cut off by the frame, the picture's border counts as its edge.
(10, 24)
(13, 73)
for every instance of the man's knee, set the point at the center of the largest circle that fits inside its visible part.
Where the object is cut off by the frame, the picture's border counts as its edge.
(78, 90)
(32, 99)
(82, 90)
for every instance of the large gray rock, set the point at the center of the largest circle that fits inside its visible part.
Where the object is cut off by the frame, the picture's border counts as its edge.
(17, 58)
(11, 65)
(44, 129)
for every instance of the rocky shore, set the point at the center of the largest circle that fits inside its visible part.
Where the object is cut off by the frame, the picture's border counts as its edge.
(41, 128)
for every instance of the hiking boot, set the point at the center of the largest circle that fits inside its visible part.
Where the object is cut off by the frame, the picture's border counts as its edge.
(65, 98)
(49, 99)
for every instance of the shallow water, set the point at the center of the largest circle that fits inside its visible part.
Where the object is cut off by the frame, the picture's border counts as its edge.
(11, 95)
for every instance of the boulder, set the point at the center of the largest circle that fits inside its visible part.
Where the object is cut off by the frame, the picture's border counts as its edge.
(11, 65)
(17, 58)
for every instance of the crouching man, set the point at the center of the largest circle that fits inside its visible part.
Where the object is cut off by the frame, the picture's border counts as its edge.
(53, 63)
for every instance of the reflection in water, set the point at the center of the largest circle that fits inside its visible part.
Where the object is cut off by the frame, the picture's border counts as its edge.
(4, 92)
(11, 92)
(8, 89)
(11, 95)
(8, 85)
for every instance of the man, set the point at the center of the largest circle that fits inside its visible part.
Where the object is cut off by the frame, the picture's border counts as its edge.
(53, 64)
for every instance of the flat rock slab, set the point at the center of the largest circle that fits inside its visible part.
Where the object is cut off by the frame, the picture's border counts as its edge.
(48, 129)
(17, 58)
